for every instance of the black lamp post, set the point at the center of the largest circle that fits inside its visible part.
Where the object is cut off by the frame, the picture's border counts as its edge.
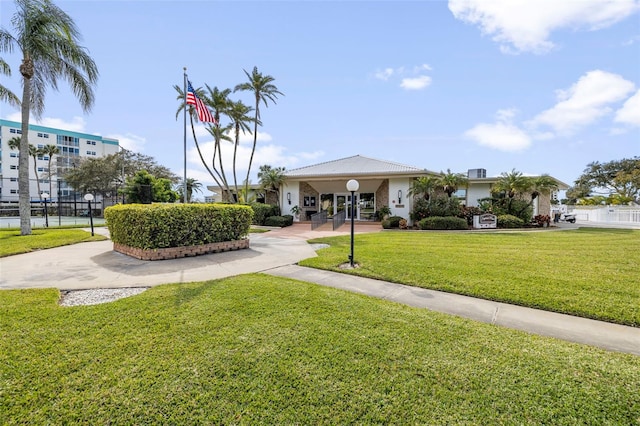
(59, 213)
(46, 214)
(352, 186)
(89, 198)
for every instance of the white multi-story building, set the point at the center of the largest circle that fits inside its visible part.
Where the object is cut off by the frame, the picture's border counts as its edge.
(72, 146)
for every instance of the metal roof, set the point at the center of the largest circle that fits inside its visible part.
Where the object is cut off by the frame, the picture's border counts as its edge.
(356, 165)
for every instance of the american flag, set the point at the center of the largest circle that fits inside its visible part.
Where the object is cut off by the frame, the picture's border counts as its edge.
(204, 115)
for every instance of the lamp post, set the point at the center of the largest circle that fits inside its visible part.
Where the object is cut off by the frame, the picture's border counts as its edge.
(59, 212)
(46, 214)
(352, 186)
(89, 198)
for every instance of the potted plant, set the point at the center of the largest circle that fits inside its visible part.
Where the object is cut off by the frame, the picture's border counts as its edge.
(383, 212)
(296, 211)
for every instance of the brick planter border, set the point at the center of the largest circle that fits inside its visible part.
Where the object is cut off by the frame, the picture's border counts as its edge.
(179, 252)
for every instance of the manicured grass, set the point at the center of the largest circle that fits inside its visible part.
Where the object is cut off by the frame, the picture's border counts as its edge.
(256, 349)
(11, 242)
(587, 272)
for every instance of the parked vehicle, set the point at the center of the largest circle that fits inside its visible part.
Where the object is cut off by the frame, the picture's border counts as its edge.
(568, 217)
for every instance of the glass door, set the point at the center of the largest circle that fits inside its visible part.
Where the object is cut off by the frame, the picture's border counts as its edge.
(356, 215)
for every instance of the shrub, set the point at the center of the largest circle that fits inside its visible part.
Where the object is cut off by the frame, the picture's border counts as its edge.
(420, 209)
(469, 212)
(386, 224)
(542, 219)
(394, 221)
(262, 211)
(151, 226)
(403, 224)
(440, 205)
(280, 221)
(509, 221)
(440, 222)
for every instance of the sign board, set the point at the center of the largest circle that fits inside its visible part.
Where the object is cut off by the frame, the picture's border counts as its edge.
(485, 221)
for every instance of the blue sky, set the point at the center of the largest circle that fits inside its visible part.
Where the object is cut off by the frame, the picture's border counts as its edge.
(541, 86)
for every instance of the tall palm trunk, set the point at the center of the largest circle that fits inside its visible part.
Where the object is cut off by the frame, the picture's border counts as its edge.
(235, 153)
(255, 141)
(35, 172)
(24, 201)
(195, 139)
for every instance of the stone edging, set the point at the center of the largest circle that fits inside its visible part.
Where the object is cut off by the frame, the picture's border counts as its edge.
(178, 252)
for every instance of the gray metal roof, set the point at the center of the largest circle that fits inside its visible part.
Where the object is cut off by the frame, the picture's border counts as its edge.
(355, 166)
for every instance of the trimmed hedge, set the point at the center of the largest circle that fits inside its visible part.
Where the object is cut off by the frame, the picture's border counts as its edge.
(443, 222)
(280, 221)
(509, 221)
(152, 226)
(262, 211)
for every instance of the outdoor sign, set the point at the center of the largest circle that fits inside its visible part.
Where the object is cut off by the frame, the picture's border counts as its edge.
(485, 221)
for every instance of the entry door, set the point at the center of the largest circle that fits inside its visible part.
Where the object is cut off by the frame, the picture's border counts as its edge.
(356, 215)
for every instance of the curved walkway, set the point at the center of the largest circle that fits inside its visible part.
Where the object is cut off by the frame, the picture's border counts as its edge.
(96, 265)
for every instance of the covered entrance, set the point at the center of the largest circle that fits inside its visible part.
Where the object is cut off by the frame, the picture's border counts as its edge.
(339, 202)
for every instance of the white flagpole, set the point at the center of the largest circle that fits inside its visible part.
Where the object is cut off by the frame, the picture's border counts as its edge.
(184, 182)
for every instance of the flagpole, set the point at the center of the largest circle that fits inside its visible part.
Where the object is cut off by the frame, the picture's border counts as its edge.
(184, 181)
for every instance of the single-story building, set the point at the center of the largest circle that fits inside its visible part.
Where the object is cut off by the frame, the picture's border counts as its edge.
(381, 183)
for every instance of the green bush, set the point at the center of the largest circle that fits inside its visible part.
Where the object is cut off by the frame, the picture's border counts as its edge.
(440, 205)
(469, 212)
(151, 226)
(509, 221)
(280, 221)
(262, 211)
(386, 224)
(394, 221)
(440, 222)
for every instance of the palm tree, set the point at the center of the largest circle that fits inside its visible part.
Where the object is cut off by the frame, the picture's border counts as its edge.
(7, 95)
(50, 150)
(512, 184)
(35, 153)
(271, 179)
(240, 121)
(451, 182)
(218, 100)
(542, 185)
(193, 116)
(263, 90)
(48, 39)
(423, 186)
(192, 186)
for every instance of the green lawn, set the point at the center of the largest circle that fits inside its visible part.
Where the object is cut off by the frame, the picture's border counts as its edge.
(256, 349)
(11, 242)
(588, 272)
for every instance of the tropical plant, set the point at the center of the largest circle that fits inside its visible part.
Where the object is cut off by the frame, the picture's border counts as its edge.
(271, 179)
(48, 40)
(192, 186)
(7, 95)
(451, 182)
(35, 153)
(238, 113)
(423, 186)
(218, 100)
(50, 150)
(263, 90)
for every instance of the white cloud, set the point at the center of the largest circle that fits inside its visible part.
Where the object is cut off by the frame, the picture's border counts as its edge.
(502, 135)
(77, 124)
(130, 141)
(630, 111)
(413, 78)
(384, 74)
(526, 25)
(584, 102)
(416, 83)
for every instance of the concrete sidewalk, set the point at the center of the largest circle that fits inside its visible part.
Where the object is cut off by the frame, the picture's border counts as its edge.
(605, 335)
(95, 265)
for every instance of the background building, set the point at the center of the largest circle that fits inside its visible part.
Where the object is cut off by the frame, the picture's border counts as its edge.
(72, 146)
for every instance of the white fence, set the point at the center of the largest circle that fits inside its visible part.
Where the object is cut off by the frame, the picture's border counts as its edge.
(610, 214)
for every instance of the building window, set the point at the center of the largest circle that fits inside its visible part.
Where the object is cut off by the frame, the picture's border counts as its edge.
(14, 191)
(13, 179)
(14, 155)
(18, 131)
(14, 167)
(43, 135)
